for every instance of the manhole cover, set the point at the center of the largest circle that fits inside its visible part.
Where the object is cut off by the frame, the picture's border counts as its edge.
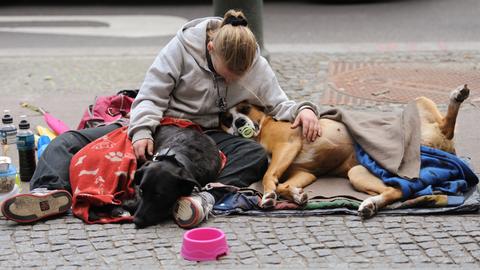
(352, 83)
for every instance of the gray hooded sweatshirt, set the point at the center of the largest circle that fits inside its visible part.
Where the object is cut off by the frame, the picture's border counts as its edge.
(180, 84)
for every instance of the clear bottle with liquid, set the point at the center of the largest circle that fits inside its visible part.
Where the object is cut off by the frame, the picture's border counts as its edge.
(26, 149)
(8, 138)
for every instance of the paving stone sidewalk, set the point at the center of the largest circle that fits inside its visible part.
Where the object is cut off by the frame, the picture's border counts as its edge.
(67, 84)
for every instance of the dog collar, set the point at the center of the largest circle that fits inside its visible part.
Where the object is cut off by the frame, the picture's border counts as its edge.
(164, 152)
(170, 153)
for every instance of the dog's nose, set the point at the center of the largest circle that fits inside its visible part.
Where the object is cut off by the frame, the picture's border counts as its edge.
(240, 122)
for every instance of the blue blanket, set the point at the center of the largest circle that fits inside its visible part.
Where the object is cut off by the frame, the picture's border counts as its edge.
(440, 172)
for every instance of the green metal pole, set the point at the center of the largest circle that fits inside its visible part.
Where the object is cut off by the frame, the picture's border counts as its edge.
(253, 9)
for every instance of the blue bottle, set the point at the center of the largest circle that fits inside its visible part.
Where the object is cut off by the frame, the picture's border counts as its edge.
(26, 150)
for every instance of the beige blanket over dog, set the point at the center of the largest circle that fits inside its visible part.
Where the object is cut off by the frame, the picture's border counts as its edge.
(392, 140)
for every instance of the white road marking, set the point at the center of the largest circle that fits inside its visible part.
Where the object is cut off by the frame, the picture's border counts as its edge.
(373, 47)
(131, 26)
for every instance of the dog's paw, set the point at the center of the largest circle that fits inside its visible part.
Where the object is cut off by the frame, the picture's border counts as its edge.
(299, 196)
(460, 93)
(269, 200)
(368, 208)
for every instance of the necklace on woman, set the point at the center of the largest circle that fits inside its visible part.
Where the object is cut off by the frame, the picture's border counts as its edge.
(221, 100)
(222, 104)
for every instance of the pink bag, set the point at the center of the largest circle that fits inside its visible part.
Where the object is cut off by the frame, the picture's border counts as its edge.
(107, 109)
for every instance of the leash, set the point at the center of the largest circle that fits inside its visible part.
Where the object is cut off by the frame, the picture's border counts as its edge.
(230, 188)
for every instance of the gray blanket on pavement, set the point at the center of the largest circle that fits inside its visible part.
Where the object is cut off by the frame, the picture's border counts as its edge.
(392, 140)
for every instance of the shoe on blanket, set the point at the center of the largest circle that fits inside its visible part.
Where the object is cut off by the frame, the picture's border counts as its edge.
(190, 211)
(40, 203)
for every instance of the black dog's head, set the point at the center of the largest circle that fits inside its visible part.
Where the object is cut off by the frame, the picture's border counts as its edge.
(161, 182)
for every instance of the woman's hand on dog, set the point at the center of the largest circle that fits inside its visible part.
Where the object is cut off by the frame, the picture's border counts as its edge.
(310, 124)
(142, 147)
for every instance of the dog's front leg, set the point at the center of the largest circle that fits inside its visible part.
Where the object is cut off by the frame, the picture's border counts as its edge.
(292, 189)
(283, 155)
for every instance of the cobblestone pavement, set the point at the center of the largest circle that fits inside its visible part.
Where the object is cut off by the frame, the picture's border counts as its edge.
(67, 84)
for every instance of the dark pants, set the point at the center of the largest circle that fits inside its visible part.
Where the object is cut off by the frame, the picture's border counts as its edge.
(53, 167)
(246, 160)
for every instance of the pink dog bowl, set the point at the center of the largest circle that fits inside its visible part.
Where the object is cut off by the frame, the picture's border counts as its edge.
(204, 244)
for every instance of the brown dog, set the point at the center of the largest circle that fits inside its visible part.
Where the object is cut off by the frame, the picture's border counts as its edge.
(299, 162)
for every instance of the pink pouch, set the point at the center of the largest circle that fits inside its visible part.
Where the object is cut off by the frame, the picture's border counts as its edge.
(106, 109)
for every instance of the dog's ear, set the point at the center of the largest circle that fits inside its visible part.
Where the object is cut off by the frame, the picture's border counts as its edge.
(226, 119)
(244, 108)
(137, 178)
(188, 177)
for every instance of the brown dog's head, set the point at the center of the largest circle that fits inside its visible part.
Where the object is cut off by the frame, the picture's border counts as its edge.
(243, 120)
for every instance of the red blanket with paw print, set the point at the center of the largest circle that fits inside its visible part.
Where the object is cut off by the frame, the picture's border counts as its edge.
(101, 175)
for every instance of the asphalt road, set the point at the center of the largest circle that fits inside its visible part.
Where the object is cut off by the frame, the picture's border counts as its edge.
(286, 23)
(67, 84)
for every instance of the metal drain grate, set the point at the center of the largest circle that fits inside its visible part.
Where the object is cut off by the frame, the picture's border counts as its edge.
(356, 83)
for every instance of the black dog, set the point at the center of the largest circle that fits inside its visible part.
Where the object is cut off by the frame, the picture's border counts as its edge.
(184, 158)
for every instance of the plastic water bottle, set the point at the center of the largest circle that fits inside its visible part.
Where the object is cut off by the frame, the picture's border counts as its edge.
(8, 137)
(26, 149)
